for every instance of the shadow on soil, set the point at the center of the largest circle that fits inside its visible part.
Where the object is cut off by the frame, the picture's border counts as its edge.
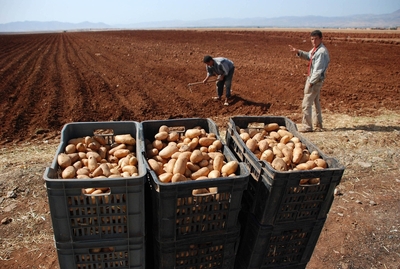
(369, 127)
(245, 102)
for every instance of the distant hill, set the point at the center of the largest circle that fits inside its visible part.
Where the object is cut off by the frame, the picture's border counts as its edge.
(36, 26)
(390, 20)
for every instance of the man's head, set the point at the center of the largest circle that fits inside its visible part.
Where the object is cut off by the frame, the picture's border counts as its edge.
(316, 38)
(208, 60)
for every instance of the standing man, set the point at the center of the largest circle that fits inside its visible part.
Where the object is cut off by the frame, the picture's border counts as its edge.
(224, 69)
(318, 61)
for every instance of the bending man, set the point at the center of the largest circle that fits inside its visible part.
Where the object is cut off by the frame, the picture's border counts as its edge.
(223, 68)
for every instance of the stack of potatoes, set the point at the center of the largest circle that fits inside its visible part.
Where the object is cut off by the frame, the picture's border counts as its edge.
(279, 147)
(193, 154)
(91, 157)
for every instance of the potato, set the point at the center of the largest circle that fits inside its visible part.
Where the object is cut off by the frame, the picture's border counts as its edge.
(214, 174)
(267, 155)
(218, 162)
(200, 191)
(106, 169)
(121, 153)
(277, 152)
(68, 172)
(245, 136)
(94, 145)
(163, 128)
(192, 133)
(180, 166)
(259, 136)
(63, 160)
(285, 139)
(314, 155)
(206, 141)
(279, 164)
(302, 166)
(320, 163)
(95, 155)
(283, 133)
(83, 171)
(125, 139)
(193, 144)
(271, 127)
(75, 141)
(196, 156)
(92, 163)
(161, 135)
(132, 170)
(173, 136)
(192, 167)
(203, 163)
(313, 181)
(287, 152)
(133, 161)
(154, 165)
(201, 172)
(115, 148)
(77, 165)
(218, 144)
(253, 132)
(102, 152)
(70, 148)
(169, 166)
(178, 178)
(297, 155)
(230, 167)
(263, 145)
(165, 177)
(212, 148)
(100, 139)
(97, 172)
(251, 144)
(167, 152)
(158, 144)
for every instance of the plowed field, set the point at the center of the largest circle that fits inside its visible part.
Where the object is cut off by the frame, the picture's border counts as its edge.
(50, 79)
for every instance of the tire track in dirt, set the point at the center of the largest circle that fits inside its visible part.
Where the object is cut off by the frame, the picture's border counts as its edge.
(15, 67)
(20, 109)
(92, 69)
(12, 52)
(58, 93)
(82, 92)
(121, 90)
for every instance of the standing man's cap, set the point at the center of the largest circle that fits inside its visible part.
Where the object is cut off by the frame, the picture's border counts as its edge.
(207, 58)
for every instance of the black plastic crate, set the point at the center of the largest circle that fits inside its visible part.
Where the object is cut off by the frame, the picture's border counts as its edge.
(122, 254)
(278, 197)
(205, 252)
(119, 213)
(279, 246)
(177, 213)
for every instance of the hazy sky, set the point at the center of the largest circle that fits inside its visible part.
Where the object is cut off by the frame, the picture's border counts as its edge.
(133, 11)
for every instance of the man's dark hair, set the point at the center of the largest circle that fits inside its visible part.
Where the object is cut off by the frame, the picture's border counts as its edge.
(207, 58)
(316, 33)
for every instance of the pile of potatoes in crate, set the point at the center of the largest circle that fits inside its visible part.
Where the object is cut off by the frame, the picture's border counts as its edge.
(279, 147)
(193, 154)
(94, 157)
